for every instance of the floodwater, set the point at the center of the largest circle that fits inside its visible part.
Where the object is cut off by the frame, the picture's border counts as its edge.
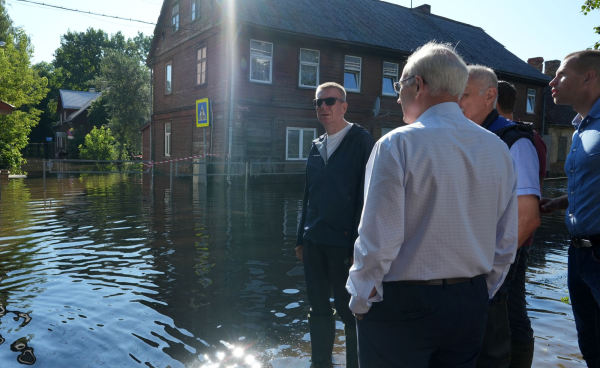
(109, 270)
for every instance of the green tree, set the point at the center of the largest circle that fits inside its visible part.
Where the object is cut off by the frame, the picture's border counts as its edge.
(587, 7)
(21, 86)
(125, 86)
(99, 145)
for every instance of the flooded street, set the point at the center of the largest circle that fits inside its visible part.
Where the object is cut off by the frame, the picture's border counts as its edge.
(113, 271)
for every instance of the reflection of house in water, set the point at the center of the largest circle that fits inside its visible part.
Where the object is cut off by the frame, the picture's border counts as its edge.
(73, 111)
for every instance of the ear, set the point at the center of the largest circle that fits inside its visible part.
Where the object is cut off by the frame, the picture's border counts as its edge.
(490, 95)
(420, 85)
(590, 77)
(344, 107)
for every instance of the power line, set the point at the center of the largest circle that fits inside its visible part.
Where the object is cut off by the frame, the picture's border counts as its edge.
(85, 12)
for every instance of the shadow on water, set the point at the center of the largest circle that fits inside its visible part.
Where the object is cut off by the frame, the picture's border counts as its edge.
(114, 271)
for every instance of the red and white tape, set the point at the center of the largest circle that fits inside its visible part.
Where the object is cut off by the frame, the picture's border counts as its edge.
(179, 159)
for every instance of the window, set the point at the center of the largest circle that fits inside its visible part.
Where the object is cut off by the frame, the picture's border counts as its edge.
(298, 143)
(385, 131)
(168, 139)
(201, 66)
(175, 17)
(309, 68)
(195, 9)
(390, 76)
(562, 149)
(352, 73)
(261, 60)
(168, 78)
(530, 101)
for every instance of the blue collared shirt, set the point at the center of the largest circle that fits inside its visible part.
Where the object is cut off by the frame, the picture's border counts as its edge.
(583, 171)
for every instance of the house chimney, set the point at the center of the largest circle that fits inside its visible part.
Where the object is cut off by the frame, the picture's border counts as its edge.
(536, 62)
(425, 8)
(551, 67)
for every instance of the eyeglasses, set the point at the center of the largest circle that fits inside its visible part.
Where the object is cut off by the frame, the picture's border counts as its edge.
(398, 85)
(329, 101)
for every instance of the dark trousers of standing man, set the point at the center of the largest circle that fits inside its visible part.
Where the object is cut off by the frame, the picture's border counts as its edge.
(521, 333)
(584, 293)
(424, 325)
(326, 268)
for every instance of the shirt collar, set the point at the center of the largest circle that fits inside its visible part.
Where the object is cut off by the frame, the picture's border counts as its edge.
(594, 114)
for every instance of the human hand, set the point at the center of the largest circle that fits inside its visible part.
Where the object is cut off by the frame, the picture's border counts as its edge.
(299, 254)
(547, 205)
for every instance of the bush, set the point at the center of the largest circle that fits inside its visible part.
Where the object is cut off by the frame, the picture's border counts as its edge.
(99, 145)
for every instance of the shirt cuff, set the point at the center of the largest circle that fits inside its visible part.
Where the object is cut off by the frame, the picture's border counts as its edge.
(359, 306)
(529, 191)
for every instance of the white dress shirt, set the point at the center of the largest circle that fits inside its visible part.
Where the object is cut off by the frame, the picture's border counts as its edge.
(440, 202)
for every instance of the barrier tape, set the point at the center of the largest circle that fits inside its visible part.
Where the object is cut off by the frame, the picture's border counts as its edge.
(151, 163)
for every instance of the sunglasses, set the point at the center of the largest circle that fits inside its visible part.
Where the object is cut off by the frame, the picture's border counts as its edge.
(329, 101)
(398, 85)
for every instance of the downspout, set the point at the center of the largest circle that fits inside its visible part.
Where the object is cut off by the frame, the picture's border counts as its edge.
(231, 102)
(151, 111)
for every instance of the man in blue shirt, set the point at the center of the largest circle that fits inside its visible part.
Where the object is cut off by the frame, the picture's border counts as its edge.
(577, 83)
(478, 103)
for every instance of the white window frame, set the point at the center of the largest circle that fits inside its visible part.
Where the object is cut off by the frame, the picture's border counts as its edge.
(199, 64)
(353, 70)
(530, 97)
(386, 130)
(389, 75)
(310, 64)
(301, 142)
(175, 17)
(195, 9)
(168, 139)
(168, 78)
(270, 58)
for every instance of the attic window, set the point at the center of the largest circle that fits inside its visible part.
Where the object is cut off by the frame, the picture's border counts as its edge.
(195, 9)
(352, 68)
(175, 17)
(530, 101)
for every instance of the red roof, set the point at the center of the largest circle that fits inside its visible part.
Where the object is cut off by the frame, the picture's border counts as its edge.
(6, 108)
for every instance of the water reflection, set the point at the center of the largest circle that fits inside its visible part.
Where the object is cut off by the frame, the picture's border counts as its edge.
(120, 271)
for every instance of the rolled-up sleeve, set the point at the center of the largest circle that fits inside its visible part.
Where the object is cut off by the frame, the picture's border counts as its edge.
(381, 229)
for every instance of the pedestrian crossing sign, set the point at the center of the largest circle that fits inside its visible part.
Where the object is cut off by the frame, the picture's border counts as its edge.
(202, 113)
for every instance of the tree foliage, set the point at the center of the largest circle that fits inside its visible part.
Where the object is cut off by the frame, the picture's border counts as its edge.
(22, 87)
(125, 86)
(77, 63)
(587, 7)
(99, 145)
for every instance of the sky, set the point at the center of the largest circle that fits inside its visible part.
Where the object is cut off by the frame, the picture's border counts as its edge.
(528, 28)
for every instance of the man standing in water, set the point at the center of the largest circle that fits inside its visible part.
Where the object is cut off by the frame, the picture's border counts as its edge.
(577, 83)
(331, 209)
(434, 243)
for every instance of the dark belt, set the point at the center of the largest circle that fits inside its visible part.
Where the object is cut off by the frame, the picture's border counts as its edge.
(585, 241)
(438, 282)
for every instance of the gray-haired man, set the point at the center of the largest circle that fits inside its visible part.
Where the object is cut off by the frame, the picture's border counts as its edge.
(433, 243)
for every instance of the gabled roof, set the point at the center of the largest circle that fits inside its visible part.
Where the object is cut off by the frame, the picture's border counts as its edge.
(83, 108)
(75, 99)
(6, 108)
(381, 24)
(562, 115)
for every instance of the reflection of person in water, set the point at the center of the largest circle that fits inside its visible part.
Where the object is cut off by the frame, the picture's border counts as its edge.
(201, 114)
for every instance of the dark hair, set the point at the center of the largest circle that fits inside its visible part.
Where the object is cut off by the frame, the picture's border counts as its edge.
(585, 60)
(507, 96)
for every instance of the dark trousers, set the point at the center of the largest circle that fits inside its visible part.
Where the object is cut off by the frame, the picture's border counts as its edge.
(424, 326)
(520, 325)
(584, 293)
(326, 268)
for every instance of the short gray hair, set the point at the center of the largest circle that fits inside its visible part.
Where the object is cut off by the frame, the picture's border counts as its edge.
(337, 86)
(485, 76)
(441, 68)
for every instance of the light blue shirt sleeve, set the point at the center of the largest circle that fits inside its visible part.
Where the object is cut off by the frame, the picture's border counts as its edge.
(528, 167)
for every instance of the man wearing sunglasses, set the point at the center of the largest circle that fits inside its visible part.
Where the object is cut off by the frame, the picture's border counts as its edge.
(333, 201)
(439, 225)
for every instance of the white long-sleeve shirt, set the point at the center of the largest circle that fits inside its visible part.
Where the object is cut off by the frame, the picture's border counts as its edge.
(440, 202)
